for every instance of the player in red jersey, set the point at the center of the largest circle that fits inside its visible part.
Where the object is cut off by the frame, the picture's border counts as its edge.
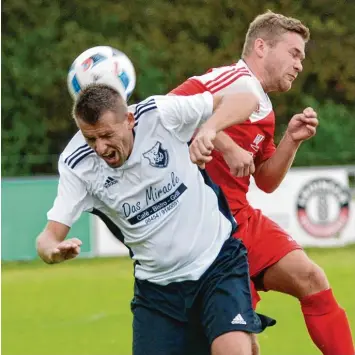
(272, 59)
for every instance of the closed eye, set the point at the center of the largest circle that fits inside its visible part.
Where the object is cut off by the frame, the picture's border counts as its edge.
(106, 136)
(296, 54)
(90, 139)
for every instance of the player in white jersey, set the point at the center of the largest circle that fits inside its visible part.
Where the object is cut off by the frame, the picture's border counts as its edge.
(135, 173)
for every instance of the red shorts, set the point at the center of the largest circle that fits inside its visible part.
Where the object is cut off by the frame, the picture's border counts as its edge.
(266, 243)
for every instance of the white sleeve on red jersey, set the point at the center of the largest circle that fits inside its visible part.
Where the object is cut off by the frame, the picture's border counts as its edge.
(227, 80)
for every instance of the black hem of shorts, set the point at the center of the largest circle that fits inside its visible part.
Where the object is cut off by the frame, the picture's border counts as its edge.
(266, 322)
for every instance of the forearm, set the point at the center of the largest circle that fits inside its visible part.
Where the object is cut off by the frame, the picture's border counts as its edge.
(223, 142)
(269, 174)
(232, 110)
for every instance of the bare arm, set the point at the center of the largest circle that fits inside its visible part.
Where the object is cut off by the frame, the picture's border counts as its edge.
(270, 173)
(239, 160)
(231, 109)
(228, 110)
(52, 246)
(240, 106)
(224, 143)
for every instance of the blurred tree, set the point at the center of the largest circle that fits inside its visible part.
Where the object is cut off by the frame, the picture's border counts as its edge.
(335, 139)
(167, 41)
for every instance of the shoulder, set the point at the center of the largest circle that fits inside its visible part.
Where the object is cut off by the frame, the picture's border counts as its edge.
(143, 110)
(76, 153)
(153, 105)
(217, 78)
(144, 106)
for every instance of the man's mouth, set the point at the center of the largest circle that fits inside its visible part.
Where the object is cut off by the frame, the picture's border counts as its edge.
(110, 158)
(109, 155)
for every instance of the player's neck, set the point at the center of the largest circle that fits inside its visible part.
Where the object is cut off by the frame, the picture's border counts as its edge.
(258, 71)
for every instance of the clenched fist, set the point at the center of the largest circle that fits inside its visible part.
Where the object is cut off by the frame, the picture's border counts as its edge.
(202, 146)
(303, 126)
(239, 161)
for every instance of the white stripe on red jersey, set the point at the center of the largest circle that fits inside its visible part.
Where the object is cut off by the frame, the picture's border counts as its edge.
(228, 80)
(237, 78)
(224, 76)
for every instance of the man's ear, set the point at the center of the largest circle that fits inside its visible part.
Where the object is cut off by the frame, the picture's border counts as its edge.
(130, 120)
(260, 47)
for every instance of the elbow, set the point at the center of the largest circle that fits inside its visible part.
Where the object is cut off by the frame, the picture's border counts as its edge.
(266, 187)
(265, 181)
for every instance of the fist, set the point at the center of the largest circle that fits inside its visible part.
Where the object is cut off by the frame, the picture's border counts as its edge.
(202, 146)
(239, 161)
(303, 126)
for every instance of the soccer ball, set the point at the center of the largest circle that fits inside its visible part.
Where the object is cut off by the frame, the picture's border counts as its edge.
(102, 65)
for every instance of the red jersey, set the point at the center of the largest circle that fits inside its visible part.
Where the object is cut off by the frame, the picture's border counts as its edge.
(256, 135)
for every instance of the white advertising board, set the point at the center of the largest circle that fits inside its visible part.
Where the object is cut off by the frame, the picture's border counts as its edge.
(105, 244)
(313, 205)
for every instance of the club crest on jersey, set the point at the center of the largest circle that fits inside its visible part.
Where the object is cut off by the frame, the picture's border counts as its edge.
(157, 156)
(257, 140)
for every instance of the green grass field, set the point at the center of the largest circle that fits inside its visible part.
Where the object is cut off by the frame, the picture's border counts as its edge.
(82, 307)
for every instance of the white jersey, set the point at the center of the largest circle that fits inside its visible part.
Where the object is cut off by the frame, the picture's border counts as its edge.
(234, 79)
(157, 203)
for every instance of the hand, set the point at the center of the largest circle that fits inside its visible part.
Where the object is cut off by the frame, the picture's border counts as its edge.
(202, 146)
(68, 249)
(239, 161)
(303, 125)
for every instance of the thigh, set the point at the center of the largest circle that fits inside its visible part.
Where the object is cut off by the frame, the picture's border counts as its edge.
(295, 274)
(157, 334)
(226, 300)
(233, 343)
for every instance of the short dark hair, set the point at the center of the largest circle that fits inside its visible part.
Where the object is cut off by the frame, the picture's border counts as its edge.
(96, 99)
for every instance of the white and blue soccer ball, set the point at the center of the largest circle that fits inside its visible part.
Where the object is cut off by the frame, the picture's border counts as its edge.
(102, 65)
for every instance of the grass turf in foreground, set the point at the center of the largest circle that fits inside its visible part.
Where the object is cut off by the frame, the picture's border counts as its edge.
(83, 307)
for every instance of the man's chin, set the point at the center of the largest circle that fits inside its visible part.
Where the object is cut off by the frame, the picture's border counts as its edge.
(285, 87)
(114, 165)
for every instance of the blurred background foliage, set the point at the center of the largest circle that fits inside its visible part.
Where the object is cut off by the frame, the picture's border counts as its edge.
(167, 41)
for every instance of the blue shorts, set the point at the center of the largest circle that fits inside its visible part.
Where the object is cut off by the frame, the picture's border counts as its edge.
(185, 317)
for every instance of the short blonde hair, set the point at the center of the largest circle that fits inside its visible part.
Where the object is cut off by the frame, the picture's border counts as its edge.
(269, 26)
